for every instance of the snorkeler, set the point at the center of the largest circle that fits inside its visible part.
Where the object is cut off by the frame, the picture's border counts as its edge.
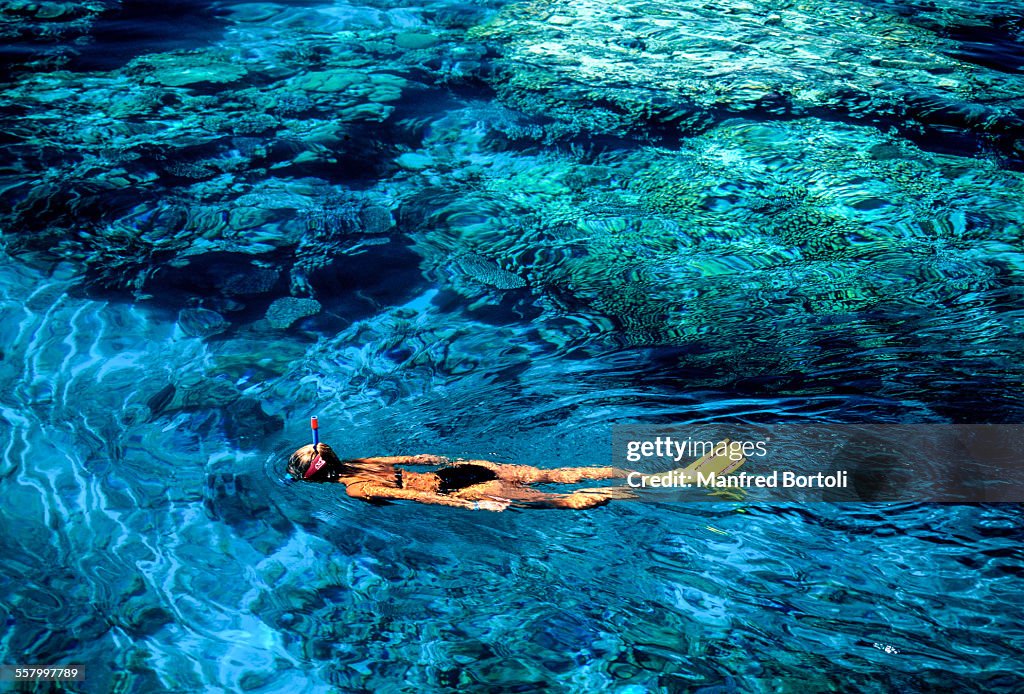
(476, 484)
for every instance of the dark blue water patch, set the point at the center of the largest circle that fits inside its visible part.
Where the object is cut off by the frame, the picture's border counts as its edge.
(420, 105)
(130, 28)
(988, 400)
(363, 155)
(359, 285)
(231, 496)
(942, 115)
(934, 127)
(30, 42)
(932, 122)
(93, 36)
(86, 39)
(883, 391)
(349, 287)
(460, 15)
(135, 27)
(10, 114)
(991, 38)
(994, 38)
(16, 57)
(858, 384)
(512, 307)
(998, 46)
(204, 276)
(43, 212)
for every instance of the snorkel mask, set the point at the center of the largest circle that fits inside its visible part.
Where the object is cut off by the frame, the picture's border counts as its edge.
(318, 460)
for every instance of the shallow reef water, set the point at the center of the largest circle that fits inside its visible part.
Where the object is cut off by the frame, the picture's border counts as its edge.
(494, 230)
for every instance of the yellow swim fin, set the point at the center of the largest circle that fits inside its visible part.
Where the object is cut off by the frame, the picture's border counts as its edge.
(717, 462)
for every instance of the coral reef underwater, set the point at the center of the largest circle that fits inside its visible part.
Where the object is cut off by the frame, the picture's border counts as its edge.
(675, 170)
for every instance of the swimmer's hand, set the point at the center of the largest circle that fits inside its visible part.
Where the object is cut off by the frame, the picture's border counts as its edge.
(610, 493)
(492, 504)
(596, 496)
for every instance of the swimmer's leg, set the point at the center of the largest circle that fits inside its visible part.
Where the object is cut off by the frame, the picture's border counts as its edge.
(579, 499)
(518, 495)
(527, 474)
(569, 475)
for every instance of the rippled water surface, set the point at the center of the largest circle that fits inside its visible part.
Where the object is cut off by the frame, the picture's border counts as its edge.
(494, 230)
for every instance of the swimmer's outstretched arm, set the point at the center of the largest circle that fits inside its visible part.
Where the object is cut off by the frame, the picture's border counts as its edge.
(528, 474)
(423, 459)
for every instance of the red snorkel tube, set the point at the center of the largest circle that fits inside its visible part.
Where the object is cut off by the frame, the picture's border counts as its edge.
(318, 461)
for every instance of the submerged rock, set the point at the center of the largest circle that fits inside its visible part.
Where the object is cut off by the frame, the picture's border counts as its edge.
(414, 161)
(159, 401)
(285, 311)
(188, 69)
(255, 281)
(596, 67)
(201, 322)
(377, 86)
(376, 219)
(413, 41)
(488, 272)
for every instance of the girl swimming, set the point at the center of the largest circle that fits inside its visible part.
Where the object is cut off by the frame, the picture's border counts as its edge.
(474, 484)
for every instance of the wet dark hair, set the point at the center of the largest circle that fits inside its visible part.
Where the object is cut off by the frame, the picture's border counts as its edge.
(301, 459)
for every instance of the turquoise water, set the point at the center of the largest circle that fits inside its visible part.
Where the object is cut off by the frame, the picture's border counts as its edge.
(496, 230)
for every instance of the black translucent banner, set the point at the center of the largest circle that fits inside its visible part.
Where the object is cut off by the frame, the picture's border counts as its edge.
(824, 462)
